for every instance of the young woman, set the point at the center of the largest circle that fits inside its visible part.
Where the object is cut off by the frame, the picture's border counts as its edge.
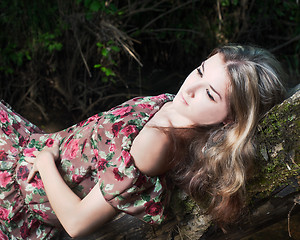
(200, 139)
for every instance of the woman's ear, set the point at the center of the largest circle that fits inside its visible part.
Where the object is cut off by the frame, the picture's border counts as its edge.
(227, 121)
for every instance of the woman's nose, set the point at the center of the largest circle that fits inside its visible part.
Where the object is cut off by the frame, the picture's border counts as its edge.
(192, 89)
(190, 92)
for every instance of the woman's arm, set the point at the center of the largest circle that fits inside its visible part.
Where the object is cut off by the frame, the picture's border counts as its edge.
(78, 216)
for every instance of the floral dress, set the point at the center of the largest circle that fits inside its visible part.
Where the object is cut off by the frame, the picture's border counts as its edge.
(92, 151)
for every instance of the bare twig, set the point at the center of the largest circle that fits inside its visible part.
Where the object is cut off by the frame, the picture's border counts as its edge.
(176, 30)
(141, 9)
(119, 36)
(286, 43)
(289, 216)
(219, 15)
(178, 229)
(296, 201)
(166, 13)
(81, 54)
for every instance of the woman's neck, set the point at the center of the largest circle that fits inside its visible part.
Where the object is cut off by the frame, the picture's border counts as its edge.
(167, 116)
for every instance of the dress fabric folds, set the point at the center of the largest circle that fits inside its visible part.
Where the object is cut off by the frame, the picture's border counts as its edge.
(92, 151)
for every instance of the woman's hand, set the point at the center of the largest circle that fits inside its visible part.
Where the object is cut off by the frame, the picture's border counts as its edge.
(47, 154)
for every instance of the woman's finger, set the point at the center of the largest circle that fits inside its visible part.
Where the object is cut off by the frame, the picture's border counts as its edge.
(30, 159)
(31, 174)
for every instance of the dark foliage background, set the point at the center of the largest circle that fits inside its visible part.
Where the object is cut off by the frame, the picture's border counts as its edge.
(63, 60)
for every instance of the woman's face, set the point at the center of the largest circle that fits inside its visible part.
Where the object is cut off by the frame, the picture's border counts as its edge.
(202, 99)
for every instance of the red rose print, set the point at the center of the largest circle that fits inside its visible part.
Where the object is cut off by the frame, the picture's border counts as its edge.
(19, 215)
(7, 131)
(23, 173)
(140, 181)
(116, 128)
(72, 149)
(68, 141)
(49, 142)
(3, 236)
(4, 213)
(159, 97)
(126, 157)
(102, 164)
(92, 118)
(5, 178)
(28, 152)
(129, 130)
(136, 99)
(3, 116)
(96, 152)
(153, 208)
(3, 155)
(144, 106)
(34, 224)
(112, 147)
(117, 174)
(77, 178)
(31, 129)
(13, 150)
(22, 141)
(16, 126)
(41, 213)
(124, 111)
(37, 182)
(24, 231)
(80, 124)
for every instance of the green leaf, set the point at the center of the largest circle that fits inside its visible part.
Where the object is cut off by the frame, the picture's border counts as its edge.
(108, 72)
(115, 48)
(147, 218)
(146, 198)
(95, 6)
(139, 203)
(104, 79)
(105, 52)
(99, 45)
(158, 187)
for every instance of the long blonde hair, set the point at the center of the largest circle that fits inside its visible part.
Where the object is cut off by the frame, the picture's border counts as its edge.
(220, 160)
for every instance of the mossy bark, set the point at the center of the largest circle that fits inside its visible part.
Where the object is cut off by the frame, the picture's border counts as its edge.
(271, 194)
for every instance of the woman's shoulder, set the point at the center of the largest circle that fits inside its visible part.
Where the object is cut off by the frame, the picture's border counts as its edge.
(150, 151)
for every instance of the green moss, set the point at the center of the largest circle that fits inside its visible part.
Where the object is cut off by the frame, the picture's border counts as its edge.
(181, 205)
(273, 176)
(278, 153)
(189, 205)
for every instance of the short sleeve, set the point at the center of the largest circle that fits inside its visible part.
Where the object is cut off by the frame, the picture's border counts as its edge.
(122, 184)
(132, 192)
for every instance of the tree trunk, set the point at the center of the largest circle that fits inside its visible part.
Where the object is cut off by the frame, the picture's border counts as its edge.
(272, 194)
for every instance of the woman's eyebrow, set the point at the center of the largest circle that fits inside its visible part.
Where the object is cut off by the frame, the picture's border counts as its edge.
(215, 91)
(202, 65)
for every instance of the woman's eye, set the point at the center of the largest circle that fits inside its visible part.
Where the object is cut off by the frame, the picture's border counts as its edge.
(209, 95)
(199, 71)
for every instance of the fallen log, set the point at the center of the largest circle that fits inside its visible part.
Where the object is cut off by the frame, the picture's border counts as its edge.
(273, 193)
